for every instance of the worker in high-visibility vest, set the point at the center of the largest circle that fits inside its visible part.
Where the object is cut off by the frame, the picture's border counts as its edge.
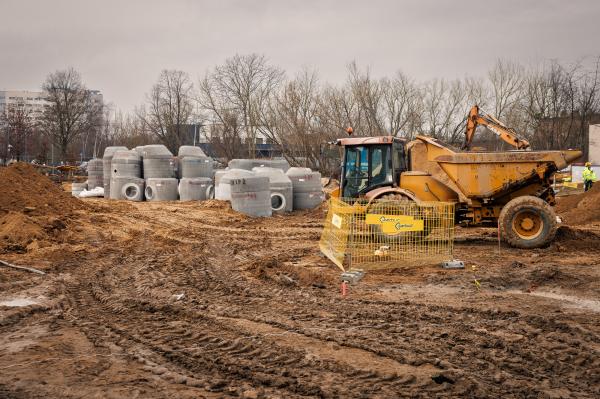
(589, 177)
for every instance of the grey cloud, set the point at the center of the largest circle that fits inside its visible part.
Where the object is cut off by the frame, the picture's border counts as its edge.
(121, 46)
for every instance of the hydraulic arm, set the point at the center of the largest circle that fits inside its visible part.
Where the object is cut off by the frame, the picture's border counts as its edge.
(507, 134)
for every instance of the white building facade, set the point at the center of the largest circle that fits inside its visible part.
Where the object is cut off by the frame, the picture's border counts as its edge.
(33, 101)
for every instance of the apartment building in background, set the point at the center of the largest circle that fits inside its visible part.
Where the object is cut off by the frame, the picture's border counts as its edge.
(36, 146)
(33, 101)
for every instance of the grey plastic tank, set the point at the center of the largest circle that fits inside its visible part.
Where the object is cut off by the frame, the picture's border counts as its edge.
(251, 195)
(119, 185)
(107, 165)
(245, 164)
(218, 174)
(248, 164)
(95, 171)
(158, 162)
(161, 189)
(279, 163)
(193, 166)
(223, 182)
(190, 150)
(308, 191)
(195, 189)
(282, 195)
(126, 163)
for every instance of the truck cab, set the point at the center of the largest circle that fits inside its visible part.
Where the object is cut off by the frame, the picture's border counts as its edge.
(369, 163)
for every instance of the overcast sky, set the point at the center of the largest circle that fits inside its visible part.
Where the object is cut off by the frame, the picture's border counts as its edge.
(120, 46)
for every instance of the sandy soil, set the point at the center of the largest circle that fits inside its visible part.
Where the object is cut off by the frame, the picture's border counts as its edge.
(147, 300)
(194, 300)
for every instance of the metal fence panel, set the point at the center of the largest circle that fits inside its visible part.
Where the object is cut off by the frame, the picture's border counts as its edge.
(387, 234)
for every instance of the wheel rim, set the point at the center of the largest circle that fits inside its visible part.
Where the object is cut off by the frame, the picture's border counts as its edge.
(528, 225)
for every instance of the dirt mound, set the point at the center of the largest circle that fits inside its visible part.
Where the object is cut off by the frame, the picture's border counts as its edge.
(580, 208)
(570, 237)
(215, 204)
(33, 209)
(26, 190)
(17, 231)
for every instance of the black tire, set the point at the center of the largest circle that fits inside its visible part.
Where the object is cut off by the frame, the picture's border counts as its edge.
(528, 222)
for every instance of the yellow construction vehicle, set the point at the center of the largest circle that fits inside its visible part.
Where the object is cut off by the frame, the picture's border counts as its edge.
(512, 188)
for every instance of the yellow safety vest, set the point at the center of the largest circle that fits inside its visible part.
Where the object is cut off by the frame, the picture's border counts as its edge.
(589, 175)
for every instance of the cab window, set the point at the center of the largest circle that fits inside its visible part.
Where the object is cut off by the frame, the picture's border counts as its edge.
(380, 165)
(356, 170)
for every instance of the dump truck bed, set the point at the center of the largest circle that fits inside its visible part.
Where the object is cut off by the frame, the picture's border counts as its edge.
(487, 174)
(483, 174)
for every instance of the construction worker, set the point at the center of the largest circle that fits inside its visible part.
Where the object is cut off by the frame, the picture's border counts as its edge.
(589, 177)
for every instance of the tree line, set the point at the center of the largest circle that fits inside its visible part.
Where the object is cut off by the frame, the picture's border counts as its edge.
(246, 98)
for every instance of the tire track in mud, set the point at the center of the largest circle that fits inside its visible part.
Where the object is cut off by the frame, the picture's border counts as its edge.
(453, 344)
(470, 334)
(195, 345)
(189, 350)
(236, 330)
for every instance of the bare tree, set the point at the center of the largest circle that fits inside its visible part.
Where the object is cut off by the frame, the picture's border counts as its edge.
(444, 110)
(72, 109)
(226, 138)
(224, 122)
(402, 106)
(125, 129)
(18, 126)
(169, 108)
(293, 123)
(239, 90)
(506, 79)
(550, 104)
(368, 94)
(338, 109)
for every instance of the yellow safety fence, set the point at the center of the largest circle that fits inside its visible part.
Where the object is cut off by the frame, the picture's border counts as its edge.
(387, 234)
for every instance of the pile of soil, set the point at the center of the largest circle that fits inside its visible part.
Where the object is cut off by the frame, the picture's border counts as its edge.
(582, 208)
(33, 209)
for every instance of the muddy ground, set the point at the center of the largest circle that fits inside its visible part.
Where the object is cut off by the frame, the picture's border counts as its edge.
(176, 300)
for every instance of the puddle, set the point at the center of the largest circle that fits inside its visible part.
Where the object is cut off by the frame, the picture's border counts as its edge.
(18, 302)
(588, 304)
(569, 301)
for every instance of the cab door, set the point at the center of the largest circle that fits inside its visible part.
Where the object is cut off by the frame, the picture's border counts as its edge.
(366, 168)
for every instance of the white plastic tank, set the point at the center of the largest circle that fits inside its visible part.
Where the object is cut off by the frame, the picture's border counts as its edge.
(126, 163)
(95, 171)
(251, 195)
(121, 188)
(223, 182)
(308, 190)
(280, 185)
(107, 165)
(190, 150)
(248, 164)
(161, 189)
(158, 162)
(195, 189)
(193, 166)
